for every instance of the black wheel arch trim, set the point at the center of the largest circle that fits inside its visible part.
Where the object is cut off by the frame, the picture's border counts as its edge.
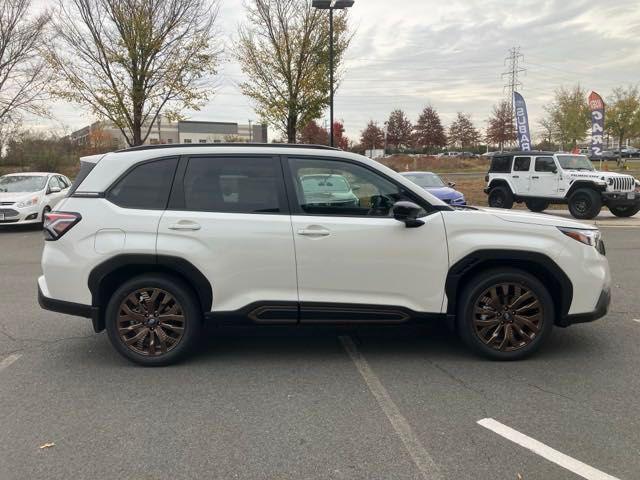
(162, 263)
(483, 259)
(584, 184)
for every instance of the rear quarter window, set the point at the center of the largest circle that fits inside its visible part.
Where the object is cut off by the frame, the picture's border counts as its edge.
(146, 186)
(501, 164)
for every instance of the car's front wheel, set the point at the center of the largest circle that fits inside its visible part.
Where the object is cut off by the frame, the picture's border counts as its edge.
(585, 204)
(505, 314)
(625, 211)
(153, 320)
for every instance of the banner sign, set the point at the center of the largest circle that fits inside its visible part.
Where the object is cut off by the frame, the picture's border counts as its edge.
(596, 105)
(522, 122)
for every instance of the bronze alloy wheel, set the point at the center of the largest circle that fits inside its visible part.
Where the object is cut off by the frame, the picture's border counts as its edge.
(507, 316)
(150, 322)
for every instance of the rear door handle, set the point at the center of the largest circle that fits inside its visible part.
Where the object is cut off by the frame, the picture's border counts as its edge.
(535, 177)
(185, 226)
(313, 232)
(516, 176)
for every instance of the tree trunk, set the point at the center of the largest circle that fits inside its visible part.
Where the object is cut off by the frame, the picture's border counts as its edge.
(291, 129)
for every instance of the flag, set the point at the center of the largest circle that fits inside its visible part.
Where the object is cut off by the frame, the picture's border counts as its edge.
(596, 105)
(522, 122)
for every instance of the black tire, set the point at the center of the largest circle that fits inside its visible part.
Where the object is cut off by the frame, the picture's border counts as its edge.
(585, 204)
(161, 332)
(626, 211)
(500, 197)
(536, 205)
(520, 345)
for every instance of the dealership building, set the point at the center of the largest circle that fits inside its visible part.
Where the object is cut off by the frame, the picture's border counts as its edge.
(166, 132)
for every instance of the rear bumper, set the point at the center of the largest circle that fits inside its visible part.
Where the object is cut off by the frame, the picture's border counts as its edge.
(602, 307)
(70, 308)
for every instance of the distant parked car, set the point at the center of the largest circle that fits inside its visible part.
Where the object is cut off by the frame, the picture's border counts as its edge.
(328, 190)
(606, 155)
(26, 197)
(433, 184)
(630, 152)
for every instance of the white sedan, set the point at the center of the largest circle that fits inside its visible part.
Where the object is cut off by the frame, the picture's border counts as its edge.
(26, 197)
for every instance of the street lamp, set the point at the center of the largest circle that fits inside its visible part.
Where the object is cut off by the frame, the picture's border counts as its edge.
(331, 5)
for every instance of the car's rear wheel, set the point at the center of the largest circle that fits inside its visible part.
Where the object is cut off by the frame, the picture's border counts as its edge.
(536, 205)
(625, 211)
(153, 320)
(500, 197)
(505, 314)
(585, 204)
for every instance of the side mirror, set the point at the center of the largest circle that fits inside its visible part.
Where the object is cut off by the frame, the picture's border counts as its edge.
(355, 188)
(54, 190)
(554, 170)
(451, 184)
(407, 212)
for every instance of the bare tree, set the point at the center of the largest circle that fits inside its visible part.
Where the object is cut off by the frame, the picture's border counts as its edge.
(23, 76)
(131, 60)
(284, 50)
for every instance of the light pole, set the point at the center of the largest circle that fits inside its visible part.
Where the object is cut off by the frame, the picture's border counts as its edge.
(331, 5)
(250, 132)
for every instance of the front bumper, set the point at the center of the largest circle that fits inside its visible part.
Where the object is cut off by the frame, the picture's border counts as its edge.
(19, 216)
(602, 307)
(621, 199)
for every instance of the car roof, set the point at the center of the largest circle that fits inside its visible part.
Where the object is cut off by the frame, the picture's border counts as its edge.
(524, 153)
(417, 173)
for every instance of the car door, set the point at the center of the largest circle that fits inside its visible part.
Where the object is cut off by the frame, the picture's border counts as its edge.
(521, 176)
(544, 178)
(228, 216)
(352, 254)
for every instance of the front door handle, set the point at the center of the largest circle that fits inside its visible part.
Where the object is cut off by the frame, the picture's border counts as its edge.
(535, 177)
(185, 226)
(516, 176)
(314, 232)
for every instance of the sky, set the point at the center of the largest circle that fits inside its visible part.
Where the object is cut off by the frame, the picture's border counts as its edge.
(445, 53)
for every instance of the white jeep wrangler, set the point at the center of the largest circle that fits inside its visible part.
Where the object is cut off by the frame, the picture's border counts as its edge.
(541, 178)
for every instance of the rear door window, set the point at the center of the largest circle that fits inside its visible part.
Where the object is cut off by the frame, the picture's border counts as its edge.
(234, 185)
(146, 186)
(521, 164)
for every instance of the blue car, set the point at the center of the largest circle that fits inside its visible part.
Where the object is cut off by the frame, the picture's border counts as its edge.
(433, 184)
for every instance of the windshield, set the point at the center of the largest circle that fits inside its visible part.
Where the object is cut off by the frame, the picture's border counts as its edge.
(426, 180)
(575, 162)
(325, 183)
(22, 183)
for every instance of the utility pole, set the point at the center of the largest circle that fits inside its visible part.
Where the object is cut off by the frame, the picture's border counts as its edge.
(512, 82)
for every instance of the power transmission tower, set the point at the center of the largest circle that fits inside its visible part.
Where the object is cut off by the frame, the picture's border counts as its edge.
(513, 70)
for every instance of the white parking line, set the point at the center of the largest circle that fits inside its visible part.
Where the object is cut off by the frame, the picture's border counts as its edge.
(419, 455)
(559, 458)
(5, 362)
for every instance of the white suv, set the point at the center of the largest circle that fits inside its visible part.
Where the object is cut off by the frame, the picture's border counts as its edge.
(541, 178)
(154, 240)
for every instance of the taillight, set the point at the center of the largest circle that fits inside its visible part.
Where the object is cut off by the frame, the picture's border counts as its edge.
(56, 224)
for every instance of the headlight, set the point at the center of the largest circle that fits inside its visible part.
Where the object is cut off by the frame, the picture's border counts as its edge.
(588, 237)
(28, 203)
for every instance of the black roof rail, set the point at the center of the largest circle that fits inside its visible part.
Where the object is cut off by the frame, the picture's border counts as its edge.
(199, 145)
(523, 152)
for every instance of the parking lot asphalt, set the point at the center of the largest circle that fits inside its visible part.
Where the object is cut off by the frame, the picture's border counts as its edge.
(365, 403)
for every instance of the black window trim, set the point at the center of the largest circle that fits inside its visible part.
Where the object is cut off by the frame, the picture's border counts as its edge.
(177, 201)
(113, 185)
(509, 158)
(296, 209)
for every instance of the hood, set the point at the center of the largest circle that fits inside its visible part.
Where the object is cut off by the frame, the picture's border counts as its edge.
(519, 216)
(596, 174)
(16, 197)
(444, 193)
